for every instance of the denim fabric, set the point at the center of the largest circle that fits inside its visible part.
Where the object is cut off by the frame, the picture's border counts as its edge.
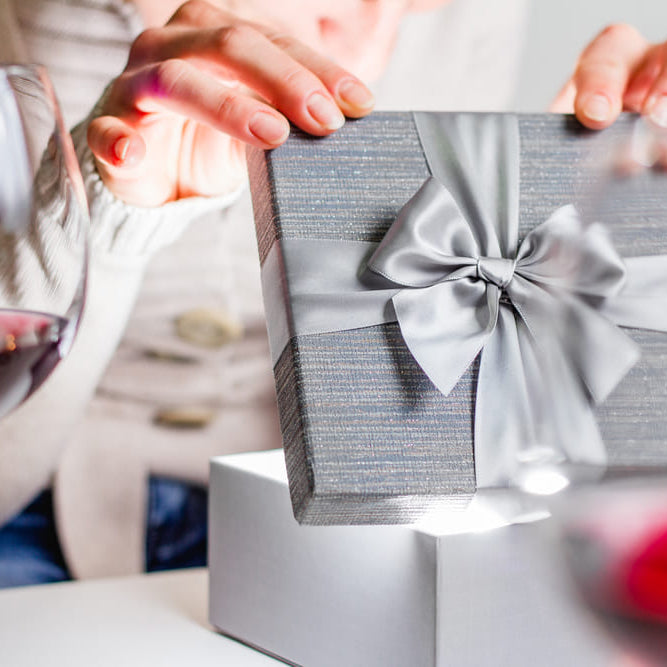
(176, 532)
(29, 548)
(176, 536)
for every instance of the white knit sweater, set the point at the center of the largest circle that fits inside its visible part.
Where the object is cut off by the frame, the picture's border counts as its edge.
(98, 453)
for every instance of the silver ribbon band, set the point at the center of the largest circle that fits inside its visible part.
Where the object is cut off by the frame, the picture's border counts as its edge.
(550, 348)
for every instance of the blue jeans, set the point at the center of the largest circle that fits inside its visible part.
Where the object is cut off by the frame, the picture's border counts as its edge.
(176, 533)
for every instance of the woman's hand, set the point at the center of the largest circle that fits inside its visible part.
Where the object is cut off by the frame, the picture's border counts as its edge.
(175, 123)
(619, 70)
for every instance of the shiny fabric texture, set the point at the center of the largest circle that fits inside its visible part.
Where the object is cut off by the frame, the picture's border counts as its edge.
(542, 312)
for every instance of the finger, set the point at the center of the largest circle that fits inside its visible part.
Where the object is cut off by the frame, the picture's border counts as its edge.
(179, 87)
(201, 13)
(115, 143)
(350, 93)
(655, 104)
(660, 151)
(120, 153)
(243, 54)
(642, 79)
(352, 96)
(564, 101)
(603, 73)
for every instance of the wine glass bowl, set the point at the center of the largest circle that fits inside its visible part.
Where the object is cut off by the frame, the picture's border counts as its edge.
(616, 281)
(610, 535)
(612, 542)
(43, 234)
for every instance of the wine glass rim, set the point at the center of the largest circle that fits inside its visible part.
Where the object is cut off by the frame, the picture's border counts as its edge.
(22, 68)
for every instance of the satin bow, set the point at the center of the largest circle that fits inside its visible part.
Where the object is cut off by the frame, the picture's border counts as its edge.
(547, 354)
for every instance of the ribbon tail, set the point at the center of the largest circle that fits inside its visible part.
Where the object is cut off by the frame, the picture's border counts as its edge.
(569, 428)
(575, 336)
(530, 410)
(503, 420)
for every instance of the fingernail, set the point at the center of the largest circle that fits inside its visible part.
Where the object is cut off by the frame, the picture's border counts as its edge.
(658, 113)
(267, 128)
(597, 107)
(325, 112)
(121, 147)
(356, 94)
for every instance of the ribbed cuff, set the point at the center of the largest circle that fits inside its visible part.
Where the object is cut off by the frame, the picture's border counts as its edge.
(128, 231)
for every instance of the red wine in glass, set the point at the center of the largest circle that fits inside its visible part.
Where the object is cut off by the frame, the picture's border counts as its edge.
(43, 234)
(614, 545)
(30, 348)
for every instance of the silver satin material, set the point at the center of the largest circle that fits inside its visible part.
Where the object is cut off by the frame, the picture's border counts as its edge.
(450, 270)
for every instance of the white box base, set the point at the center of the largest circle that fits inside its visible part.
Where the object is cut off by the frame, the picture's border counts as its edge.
(382, 596)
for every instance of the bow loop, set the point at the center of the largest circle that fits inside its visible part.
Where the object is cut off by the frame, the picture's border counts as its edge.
(429, 241)
(567, 253)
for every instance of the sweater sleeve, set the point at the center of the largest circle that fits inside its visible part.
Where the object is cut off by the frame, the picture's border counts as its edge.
(132, 233)
(123, 239)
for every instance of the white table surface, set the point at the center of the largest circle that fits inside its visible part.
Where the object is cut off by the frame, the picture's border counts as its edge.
(153, 620)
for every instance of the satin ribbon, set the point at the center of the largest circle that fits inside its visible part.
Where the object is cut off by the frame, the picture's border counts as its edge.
(543, 313)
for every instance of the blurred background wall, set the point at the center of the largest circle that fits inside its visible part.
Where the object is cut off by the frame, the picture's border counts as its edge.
(559, 29)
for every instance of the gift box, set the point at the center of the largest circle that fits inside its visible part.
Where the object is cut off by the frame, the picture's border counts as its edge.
(429, 595)
(439, 311)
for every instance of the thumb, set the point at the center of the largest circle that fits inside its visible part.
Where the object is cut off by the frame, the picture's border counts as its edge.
(115, 143)
(603, 73)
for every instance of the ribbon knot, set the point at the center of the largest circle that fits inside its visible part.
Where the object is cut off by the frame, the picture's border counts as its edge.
(496, 270)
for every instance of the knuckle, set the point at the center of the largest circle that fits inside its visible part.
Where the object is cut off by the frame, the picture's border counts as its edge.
(166, 75)
(331, 72)
(234, 37)
(282, 41)
(119, 94)
(191, 11)
(299, 80)
(606, 66)
(226, 108)
(121, 84)
(144, 45)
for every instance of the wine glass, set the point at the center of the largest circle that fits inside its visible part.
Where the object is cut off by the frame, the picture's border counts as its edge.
(611, 540)
(43, 234)
(620, 193)
(609, 535)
